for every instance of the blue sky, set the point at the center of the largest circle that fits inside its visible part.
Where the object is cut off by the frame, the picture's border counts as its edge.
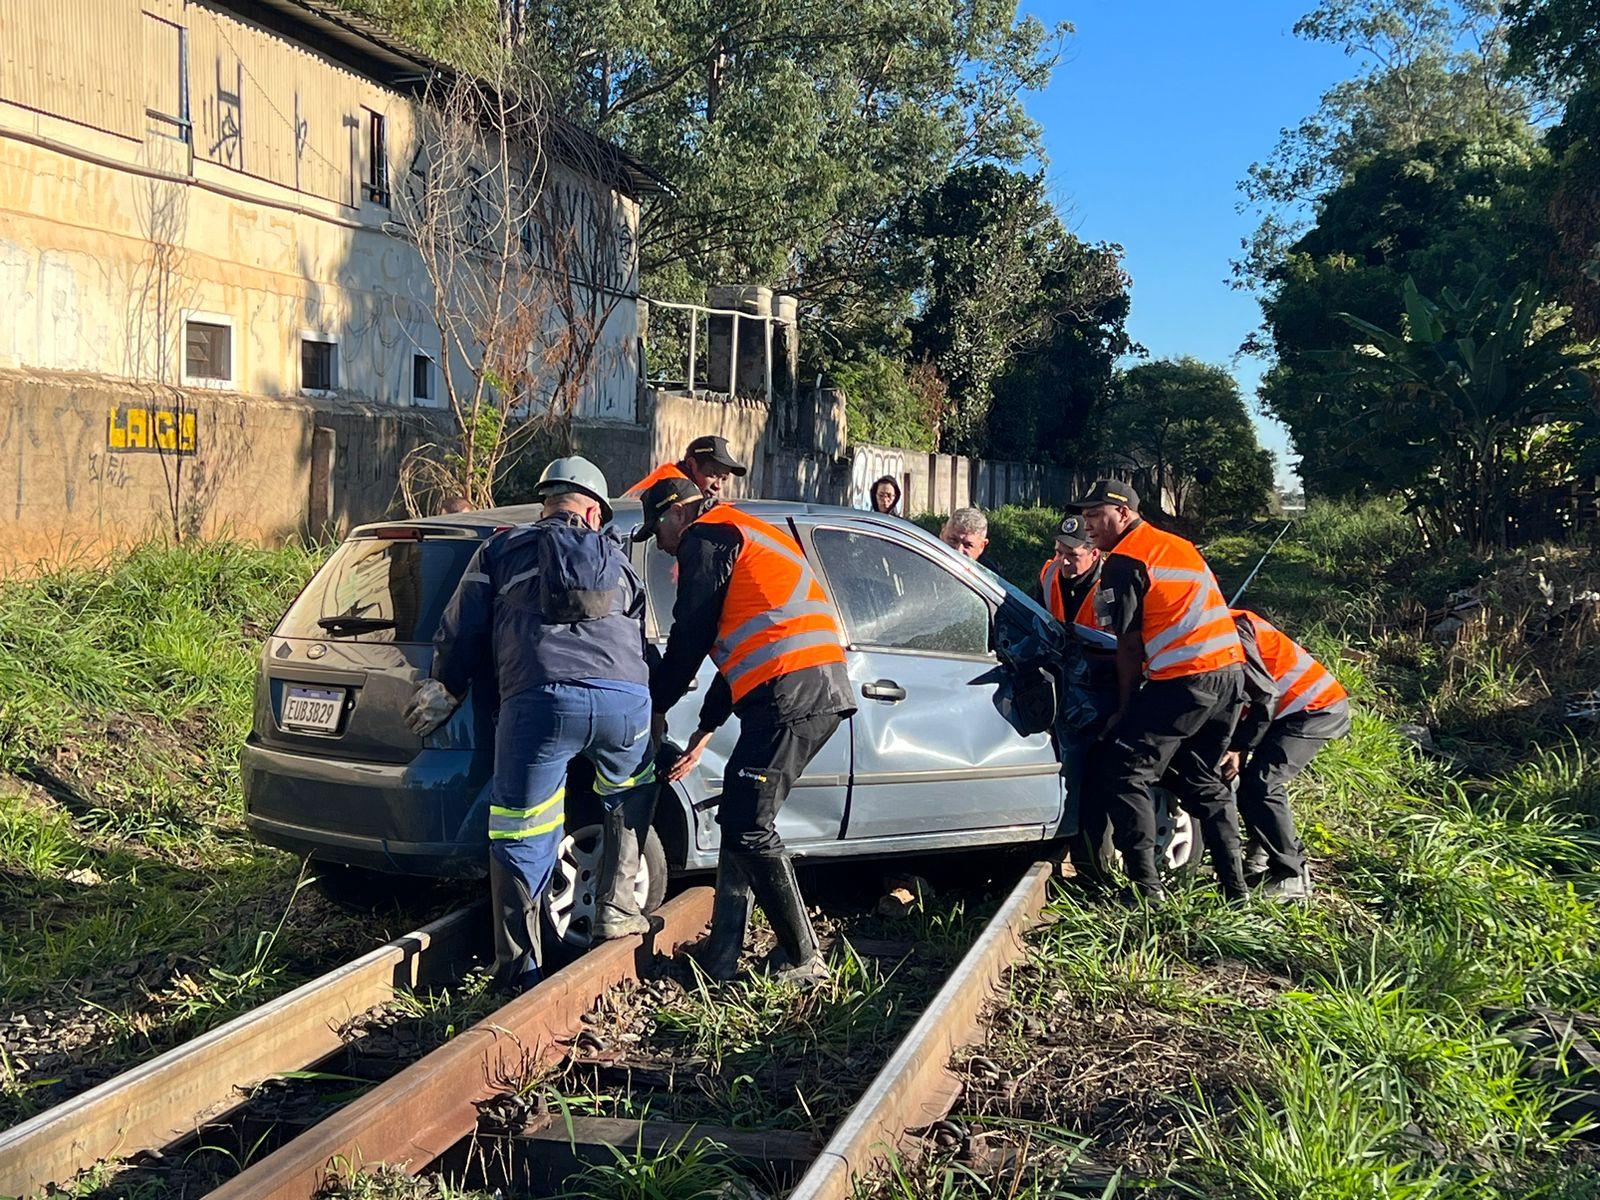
(1150, 122)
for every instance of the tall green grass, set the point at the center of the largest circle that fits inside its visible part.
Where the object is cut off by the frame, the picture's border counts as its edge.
(125, 874)
(163, 630)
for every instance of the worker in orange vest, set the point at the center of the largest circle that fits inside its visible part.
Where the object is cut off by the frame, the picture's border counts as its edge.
(708, 463)
(748, 598)
(1067, 582)
(1175, 634)
(1296, 707)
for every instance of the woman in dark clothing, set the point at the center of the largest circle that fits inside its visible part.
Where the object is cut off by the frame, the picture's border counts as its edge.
(886, 496)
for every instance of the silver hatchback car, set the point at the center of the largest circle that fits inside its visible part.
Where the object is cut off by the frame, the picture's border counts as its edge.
(970, 731)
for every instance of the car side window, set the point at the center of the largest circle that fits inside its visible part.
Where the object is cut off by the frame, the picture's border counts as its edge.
(894, 598)
(661, 589)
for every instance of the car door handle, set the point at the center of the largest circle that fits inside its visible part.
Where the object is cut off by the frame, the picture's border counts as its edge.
(883, 689)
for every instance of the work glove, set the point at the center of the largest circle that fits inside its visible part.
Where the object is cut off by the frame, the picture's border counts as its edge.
(430, 707)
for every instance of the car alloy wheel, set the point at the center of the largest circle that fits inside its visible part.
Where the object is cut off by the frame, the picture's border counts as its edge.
(570, 900)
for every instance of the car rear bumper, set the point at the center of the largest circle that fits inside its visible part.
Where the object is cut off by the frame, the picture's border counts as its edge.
(440, 859)
(425, 817)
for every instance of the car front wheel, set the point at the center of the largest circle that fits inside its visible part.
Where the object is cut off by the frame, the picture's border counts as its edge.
(1177, 838)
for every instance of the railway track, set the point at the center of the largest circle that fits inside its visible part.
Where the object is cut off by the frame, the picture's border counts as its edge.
(430, 1115)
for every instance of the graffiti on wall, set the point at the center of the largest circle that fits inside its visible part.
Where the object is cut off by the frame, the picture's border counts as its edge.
(871, 463)
(135, 428)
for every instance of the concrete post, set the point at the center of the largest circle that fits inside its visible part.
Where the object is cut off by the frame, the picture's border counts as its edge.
(748, 341)
(319, 505)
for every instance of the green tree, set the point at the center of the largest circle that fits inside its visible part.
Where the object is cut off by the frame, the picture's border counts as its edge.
(1555, 46)
(1051, 403)
(1479, 390)
(1445, 213)
(793, 133)
(1429, 69)
(1185, 423)
(997, 277)
(888, 405)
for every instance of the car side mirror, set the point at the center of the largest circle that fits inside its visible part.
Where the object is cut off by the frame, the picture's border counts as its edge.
(1033, 699)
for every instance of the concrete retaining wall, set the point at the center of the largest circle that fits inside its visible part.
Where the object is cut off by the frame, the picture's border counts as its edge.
(89, 463)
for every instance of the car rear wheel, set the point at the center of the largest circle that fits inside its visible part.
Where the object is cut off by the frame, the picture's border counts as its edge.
(569, 902)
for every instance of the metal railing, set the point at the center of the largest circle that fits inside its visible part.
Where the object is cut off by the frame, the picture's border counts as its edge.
(695, 313)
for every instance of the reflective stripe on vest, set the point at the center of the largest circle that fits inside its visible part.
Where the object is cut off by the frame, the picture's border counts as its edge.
(669, 470)
(1304, 684)
(776, 617)
(516, 823)
(1050, 586)
(1187, 627)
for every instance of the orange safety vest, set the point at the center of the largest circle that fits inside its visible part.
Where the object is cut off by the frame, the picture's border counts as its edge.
(1187, 628)
(669, 470)
(776, 617)
(1304, 684)
(1050, 587)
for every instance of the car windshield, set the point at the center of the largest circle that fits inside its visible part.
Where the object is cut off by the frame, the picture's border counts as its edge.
(380, 590)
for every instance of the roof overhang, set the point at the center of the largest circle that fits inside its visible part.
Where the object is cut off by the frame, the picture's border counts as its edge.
(370, 50)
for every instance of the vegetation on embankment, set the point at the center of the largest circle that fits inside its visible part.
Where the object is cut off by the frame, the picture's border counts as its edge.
(1364, 1045)
(134, 909)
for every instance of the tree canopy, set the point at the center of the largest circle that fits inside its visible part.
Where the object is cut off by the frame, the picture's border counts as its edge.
(868, 158)
(1187, 423)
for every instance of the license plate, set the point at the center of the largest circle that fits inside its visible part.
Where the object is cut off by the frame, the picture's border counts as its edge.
(312, 708)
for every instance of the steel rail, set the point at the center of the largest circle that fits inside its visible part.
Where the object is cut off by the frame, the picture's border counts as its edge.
(916, 1087)
(160, 1101)
(414, 1117)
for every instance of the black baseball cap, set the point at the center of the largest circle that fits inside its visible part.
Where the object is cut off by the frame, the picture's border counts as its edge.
(1107, 491)
(658, 498)
(1072, 531)
(716, 449)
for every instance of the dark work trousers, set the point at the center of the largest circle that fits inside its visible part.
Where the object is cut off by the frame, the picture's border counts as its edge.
(1181, 726)
(768, 757)
(1290, 743)
(538, 734)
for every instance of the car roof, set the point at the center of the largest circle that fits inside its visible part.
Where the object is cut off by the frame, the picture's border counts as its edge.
(626, 516)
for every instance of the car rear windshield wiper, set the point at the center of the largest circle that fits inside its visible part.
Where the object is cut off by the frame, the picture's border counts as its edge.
(354, 624)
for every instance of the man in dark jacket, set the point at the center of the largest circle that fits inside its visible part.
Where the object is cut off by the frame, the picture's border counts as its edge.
(560, 610)
(1295, 708)
(747, 598)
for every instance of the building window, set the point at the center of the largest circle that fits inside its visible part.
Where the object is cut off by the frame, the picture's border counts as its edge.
(319, 363)
(166, 78)
(421, 379)
(207, 349)
(377, 185)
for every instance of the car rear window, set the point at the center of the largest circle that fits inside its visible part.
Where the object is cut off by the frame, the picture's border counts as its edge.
(404, 581)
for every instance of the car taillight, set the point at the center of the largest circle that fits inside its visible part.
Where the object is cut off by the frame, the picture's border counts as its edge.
(399, 533)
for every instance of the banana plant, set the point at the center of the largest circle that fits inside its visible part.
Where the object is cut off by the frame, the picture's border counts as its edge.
(1471, 386)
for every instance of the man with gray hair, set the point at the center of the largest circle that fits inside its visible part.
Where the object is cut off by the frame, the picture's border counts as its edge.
(558, 611)
(966, 531)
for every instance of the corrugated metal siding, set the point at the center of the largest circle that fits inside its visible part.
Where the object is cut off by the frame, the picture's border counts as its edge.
(71, 58)
(267, 107)
(216, 91)
(163, 78)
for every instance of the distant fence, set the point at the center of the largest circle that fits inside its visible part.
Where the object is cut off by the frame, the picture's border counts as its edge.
(928, 482)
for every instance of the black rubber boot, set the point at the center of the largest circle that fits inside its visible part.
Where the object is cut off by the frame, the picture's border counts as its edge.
(1145, 888)
(778, 893)
(730, 914)
(1256, 863)
(616, 905)
(1226, 861)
